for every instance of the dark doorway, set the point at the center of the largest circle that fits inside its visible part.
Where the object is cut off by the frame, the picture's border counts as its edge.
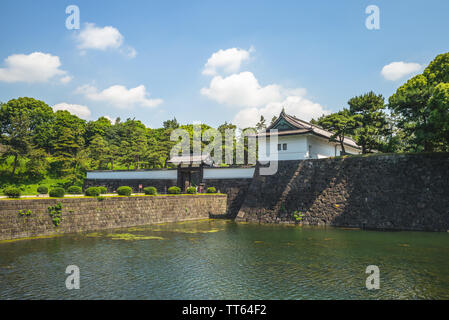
(189, 176)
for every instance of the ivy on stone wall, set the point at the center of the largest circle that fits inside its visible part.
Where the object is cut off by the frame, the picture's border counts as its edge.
(56, 213)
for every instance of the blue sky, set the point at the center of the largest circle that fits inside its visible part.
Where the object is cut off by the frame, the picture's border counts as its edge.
(308, 56)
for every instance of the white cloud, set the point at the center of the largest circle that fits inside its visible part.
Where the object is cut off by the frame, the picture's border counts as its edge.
(396, 70)
(92, 37)
(34, 67)
(298, 106)
(242, 89)
(130, 52)
(79, 110)
(66, 79)
(119, 96)
(110, 119)
(228, 60)
(97, 38)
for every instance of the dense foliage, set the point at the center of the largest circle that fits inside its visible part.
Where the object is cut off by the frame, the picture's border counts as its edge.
(12, 192)
(124, 191)
(103, 190)
(174, 190)
(150, 190)
(191, 190)
(75, 190)
(92, 192)
(416, 118)
(57, 192)
(211, 190)
(42, 189)
(39, 146)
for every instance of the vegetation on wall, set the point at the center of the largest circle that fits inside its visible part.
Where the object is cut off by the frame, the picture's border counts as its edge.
(56, 213)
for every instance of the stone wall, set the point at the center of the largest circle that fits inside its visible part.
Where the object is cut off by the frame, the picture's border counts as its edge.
(87, 214)
(235, 189)
(398, 192)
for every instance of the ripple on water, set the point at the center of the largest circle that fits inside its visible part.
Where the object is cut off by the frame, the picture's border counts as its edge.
(216, 259)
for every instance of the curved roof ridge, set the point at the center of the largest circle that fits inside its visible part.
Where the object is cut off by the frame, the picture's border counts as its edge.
(305, 126)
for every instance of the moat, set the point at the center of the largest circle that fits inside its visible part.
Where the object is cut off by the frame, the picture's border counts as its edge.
(221, 259)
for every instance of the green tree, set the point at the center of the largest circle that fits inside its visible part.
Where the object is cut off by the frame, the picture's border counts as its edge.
(342, 124)
(16, 137)
(409, 105)
(67, 142)
(37, 164)
(261, 124)
(171, 124)
(439, 116)
(374, 127)
(96, 128)
(99, 152)
(420, 106)
(20, 121)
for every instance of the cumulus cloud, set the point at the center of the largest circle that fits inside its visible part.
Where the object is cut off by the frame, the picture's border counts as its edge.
(298, 106)
(66, 79)
(228, 60)
(242, 89)
(396, 70)
(119, 96)
(79, 110)
(97, 38)
(34, 67)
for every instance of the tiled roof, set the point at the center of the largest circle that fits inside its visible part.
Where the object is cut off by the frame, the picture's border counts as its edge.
(193, 158)
(302, 127)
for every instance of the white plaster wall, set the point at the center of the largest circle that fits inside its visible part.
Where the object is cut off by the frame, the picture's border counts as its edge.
(228, 173)
(296, 148)
(320, 148)
(155, 174)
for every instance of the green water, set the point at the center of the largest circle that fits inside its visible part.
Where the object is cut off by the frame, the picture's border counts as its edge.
(219, 259)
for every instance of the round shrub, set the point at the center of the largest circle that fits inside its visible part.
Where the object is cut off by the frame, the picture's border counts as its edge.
(42, 190)
(57, 192)
(211, 190)
(75, 190)
(92, 192)
(174, 190)
(103, 190)
(124, 191)
(191, 190)
(150, 190)
(12, 192)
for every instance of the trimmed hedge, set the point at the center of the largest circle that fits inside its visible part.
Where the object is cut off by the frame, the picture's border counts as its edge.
(42, 190)
(74, 190)
(92, 192)
(57, 192)
(150, 190)
(191, 190)
(211, 190)
(124, 191)
(12, 192)
(103, 190)
(174, 190)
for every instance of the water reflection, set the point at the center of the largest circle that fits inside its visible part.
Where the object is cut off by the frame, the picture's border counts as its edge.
(219, 259)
